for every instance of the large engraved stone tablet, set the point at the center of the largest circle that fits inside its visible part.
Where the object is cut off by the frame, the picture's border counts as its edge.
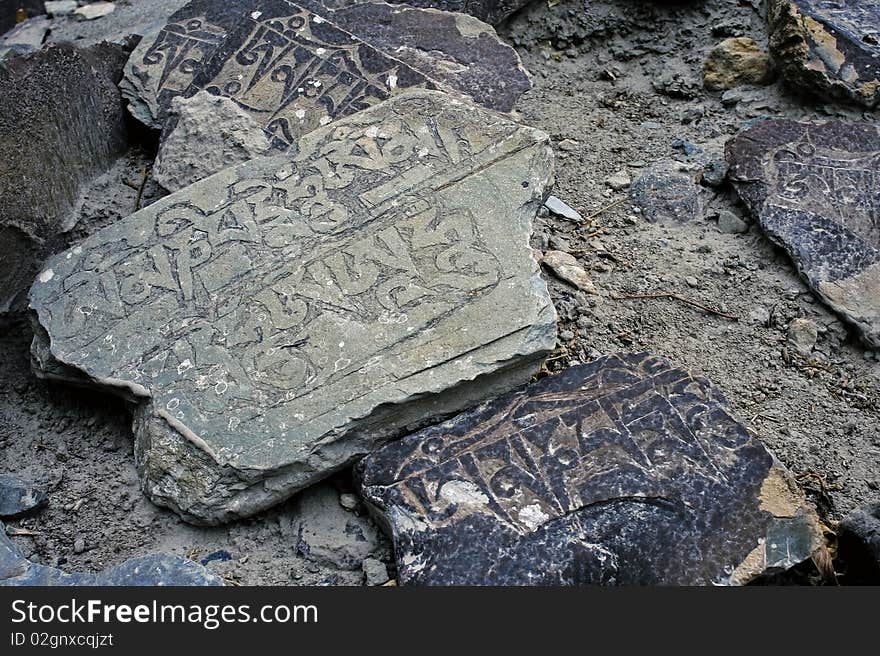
(295, 70)
(829, 48)
(815, 190)
(627, 470)
(281, 318)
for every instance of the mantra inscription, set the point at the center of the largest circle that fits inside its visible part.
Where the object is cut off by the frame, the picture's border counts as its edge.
(253, 305)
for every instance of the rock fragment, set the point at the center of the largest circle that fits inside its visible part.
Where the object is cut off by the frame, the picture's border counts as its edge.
(375, 572)
(327, 534)
(830, 49)
(730, 223)
(858, 537)
(19, 495)
(627, 471)
(48, 151)
(207, 134)
(802, 335)
(94, 10)
(155, 569)
(283, 317)
(24, 38)
(560, 208)
(565, 266)
(664, 194)
(735, 62)
(813, 189)
(61, 7)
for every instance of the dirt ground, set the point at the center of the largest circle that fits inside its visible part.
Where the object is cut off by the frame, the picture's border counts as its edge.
(616, 83)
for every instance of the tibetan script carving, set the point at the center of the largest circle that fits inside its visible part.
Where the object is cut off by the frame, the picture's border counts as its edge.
(279, 318)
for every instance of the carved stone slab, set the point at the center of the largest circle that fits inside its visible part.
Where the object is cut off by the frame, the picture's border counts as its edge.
(295, 70)
(458, 51)
(164, 63)
(830, 48)
(151, 570)
(282, 317)
(296, 65)
(814, 189)
(627, 470)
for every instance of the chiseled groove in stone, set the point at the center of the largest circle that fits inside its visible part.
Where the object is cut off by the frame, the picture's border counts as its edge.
(386, 189)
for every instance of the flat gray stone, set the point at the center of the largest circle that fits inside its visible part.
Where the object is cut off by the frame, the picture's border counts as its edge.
(207, 134)
(19, 494)
(830, 49)
(627, 471)
(158, 569)
(283, 317)
(813, 189)
(61, 126)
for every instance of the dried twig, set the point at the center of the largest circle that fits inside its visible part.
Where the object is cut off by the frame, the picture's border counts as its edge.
(681, 299)
(140, 194)
(605, 209)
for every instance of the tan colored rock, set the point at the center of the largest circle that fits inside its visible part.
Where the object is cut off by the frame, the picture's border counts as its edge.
(735, 62)
(566, 268)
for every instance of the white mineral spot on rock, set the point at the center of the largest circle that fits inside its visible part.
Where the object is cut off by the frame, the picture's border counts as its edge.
(47, 275)
(463, 492)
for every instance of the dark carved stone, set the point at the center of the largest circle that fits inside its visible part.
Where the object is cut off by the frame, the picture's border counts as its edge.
(61, 126)
(627, 470)
(279, 319)
(162, 67)
(814, 190)
(828, 48)
(664, 194)
(457, 51)
(294, 66)
(155, 569)
(295, 70)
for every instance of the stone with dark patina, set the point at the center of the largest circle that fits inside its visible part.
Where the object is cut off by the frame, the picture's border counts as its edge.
(627, 470)
(283, 317)
(828, 48)
(814, 189)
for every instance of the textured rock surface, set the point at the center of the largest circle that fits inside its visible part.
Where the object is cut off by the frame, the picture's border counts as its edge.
(282, 317)
(859, 544)
(155, 569)
(297, 66)
(828, 48)
(665, 194)
(207, 134)
(19, 495)
(61, 126)
(814, 189)
(491, 11)
(627, 470)
(293, 71)
(735, 62)
(164, 63)
(566, 267)
(328, 534)
(458, 51)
